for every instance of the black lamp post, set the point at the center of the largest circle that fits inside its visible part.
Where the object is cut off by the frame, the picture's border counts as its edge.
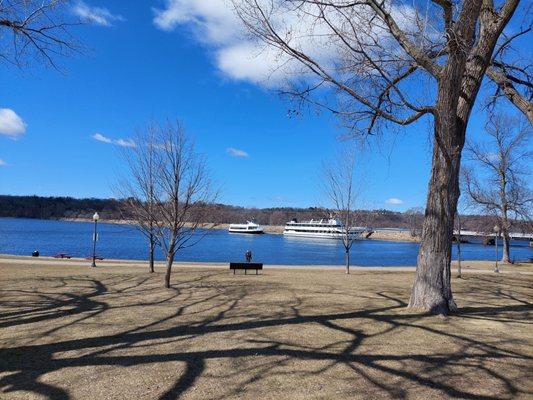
(95, 237)
(496, 232)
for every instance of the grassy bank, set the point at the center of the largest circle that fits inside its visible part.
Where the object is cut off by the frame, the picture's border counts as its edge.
(72, 332)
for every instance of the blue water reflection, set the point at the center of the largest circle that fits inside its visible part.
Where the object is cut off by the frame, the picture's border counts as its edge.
(22, 236)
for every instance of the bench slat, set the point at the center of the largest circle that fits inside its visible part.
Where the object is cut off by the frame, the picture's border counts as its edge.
(246, 266)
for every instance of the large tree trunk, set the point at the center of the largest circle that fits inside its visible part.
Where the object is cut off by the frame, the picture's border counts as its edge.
(432, 290)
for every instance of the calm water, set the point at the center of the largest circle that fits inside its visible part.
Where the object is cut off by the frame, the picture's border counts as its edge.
(22, 236)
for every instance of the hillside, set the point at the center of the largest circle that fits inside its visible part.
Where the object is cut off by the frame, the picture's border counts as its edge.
(110, 209)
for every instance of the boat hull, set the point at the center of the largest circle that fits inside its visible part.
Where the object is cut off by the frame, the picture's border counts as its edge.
(353, 236)
(256, 232)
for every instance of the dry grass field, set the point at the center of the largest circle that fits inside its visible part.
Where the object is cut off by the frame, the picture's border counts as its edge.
(71, 332)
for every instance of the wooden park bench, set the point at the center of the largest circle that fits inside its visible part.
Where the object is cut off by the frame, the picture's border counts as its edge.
(245, 266)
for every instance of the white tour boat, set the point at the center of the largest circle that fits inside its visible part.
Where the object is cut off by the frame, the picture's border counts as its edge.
(248, 227)
(323, 229)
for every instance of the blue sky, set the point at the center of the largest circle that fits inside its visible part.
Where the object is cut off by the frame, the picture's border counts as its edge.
(136, 68)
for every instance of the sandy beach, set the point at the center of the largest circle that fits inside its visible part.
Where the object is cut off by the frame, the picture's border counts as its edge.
(74, 332)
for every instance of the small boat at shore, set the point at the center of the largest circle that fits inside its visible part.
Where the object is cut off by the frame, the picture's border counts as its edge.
(322, 229)
(248, 227)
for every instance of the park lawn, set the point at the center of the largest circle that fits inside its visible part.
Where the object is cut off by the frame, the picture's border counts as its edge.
(71, 332)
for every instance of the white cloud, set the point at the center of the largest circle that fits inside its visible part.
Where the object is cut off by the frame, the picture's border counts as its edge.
(102, 138)
(2, 163)
(215, 24)
(394, 201)
(239, 56)
(95, 15)
(215, 19)
(236, 152)
(125, 143)
(11, 124)
(119, 142)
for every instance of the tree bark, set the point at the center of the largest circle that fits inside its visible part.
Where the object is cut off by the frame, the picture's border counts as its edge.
(458, 239)
(506, 85)
(170, 261)
(505, 255)
(432, 290)
(504, 218)
(347, 259)
(459, 257)
(151, 255)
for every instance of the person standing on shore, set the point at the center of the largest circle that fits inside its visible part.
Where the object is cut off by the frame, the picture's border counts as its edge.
(248, 256)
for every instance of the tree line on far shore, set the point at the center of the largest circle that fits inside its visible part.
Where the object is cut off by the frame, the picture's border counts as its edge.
(111, 209)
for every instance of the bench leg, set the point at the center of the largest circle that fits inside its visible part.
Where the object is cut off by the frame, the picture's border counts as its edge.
(245, 272)
(233, 272)
(256, 271)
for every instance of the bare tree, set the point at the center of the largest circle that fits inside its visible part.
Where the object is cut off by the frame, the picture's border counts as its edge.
(394, 63)
(342, 191)
(139, 189)
(415, 220)
(184, 193)
(278, 217)
(498, 183)
(35, 29)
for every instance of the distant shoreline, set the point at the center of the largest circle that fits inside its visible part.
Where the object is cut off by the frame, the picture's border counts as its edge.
(273, 229)
(389, 234)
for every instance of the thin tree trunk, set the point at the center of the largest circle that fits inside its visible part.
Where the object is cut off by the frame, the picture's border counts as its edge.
(432, 290)
(347, 259)
(151, 255)
(170, 261)
(504, 219)
(505, 239)
(459, 258)
(169, 270)
(459, 247)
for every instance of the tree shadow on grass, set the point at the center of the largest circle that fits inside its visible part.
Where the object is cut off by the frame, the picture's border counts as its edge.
(219, 307)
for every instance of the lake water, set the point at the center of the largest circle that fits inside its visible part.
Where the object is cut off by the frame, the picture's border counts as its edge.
(22, 236)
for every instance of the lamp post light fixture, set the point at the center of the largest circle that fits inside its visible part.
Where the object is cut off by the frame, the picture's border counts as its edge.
(96, 217)
(496, 232)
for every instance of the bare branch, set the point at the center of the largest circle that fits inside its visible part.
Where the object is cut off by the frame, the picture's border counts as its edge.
(505, 84)
(414, 51)
(35, 27)
(342, 189)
